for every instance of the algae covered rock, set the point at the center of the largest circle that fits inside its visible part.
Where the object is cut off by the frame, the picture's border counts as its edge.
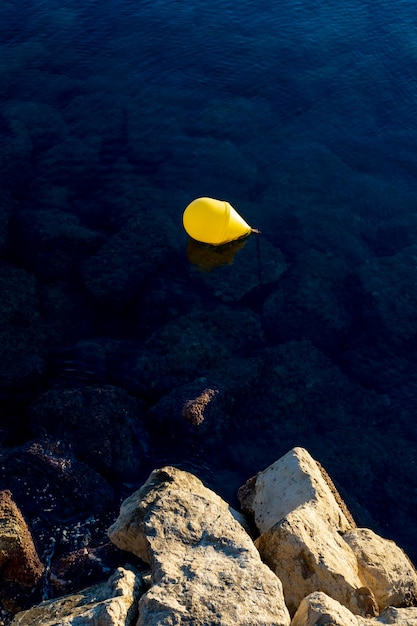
(43, 123)
(388, 303)
(53, 483)
(193, 345)
(256, 266)
(5, 213)
(309, 302)
(117, 272)
(101, 423)
(52, 243)
(21, 329)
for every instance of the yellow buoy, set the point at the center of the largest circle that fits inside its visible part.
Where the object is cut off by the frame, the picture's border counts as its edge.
(214, 221)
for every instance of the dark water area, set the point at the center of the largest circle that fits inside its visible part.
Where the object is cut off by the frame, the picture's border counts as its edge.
(114, 116)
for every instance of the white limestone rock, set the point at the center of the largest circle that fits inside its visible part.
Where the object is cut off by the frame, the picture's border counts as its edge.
(384, 567)
(308, 555)
(113, 603)
(394, 617)
(294, 480)
(205, 568)
(319, 608)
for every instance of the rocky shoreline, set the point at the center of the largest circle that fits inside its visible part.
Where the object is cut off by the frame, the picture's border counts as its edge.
(293, 556)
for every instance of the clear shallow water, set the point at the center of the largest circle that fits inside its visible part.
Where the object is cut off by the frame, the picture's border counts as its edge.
(303, 115)
(269, 81)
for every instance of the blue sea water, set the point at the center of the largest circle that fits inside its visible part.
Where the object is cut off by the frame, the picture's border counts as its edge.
(304, 116)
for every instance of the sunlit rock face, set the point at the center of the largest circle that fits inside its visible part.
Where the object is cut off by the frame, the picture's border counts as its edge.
(205, 568)
(197, 563)
(384, 567)
(310, 540)
(111, 603)
(21, 568)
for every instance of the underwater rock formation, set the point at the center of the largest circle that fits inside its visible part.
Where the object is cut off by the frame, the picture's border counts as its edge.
(102, 424)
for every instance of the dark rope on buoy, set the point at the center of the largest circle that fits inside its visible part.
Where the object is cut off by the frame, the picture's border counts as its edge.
(258, 254)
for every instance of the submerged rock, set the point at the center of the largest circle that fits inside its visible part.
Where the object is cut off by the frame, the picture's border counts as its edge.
(21, 330)
(5, 213)
(103, 425)
(191, 415)
(53, 483)
(43, 123)
(117, 273)
(309, 302)
(51, 243)
(388, 305)
(85, 566)
(195, 345)
(259, 264)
